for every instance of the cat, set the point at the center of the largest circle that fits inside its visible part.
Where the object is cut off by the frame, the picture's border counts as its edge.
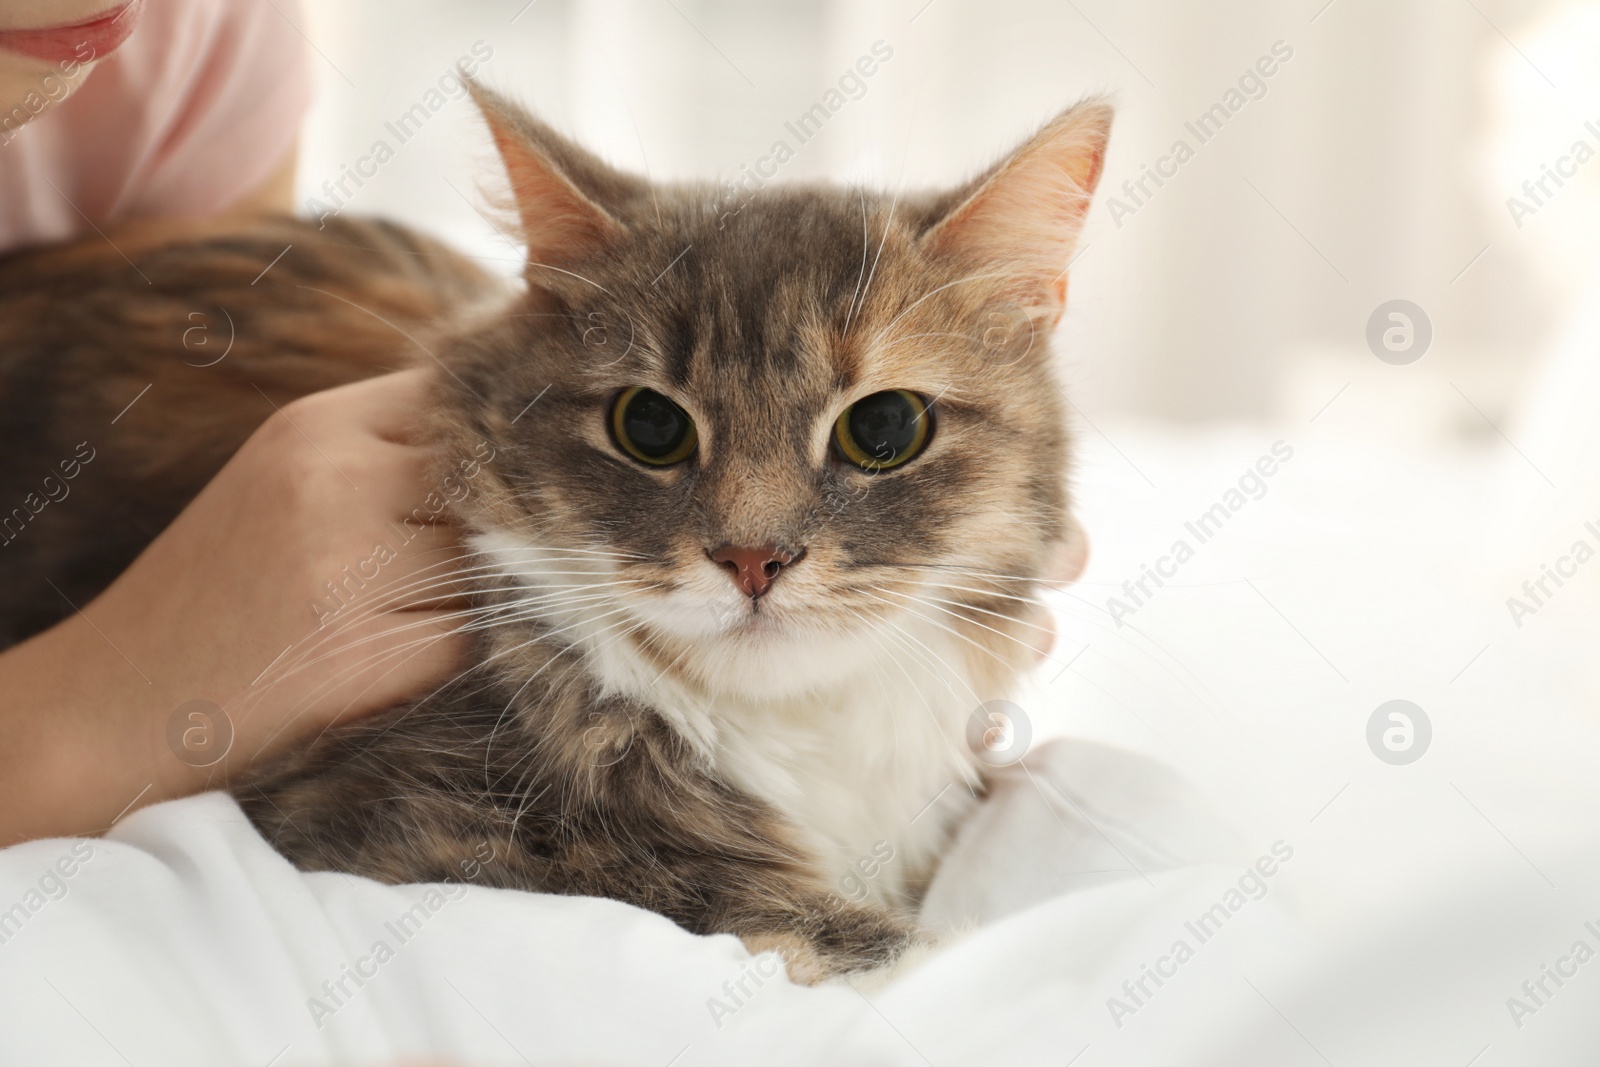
(767, 496)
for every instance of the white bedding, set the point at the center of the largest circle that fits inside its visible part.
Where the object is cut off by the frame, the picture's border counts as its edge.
(1227, 721)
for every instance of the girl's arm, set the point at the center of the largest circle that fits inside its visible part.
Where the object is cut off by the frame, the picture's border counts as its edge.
(219, 608)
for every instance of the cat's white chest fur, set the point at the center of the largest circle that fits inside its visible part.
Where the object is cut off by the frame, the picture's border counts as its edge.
(873, 768)
(874, 772)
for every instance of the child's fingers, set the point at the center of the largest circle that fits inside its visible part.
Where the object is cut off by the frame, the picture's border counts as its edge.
(1070, 557)
(1040, 632)
(390, 406)
(344, 419)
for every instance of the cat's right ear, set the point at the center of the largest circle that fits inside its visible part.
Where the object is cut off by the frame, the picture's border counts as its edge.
(565, 197)
(1022, 218)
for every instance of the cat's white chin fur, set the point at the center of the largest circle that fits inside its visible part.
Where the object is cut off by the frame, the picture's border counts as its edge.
(770, 652)
(858, 738)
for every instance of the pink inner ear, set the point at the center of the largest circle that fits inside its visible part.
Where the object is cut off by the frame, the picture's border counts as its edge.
(559, 223)
(1096, 163)
(1025, 219)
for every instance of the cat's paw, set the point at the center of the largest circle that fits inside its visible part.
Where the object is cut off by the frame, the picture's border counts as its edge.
(844, 942)
(805, 965)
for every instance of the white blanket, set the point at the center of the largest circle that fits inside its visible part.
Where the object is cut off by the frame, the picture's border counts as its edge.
(1342, 910)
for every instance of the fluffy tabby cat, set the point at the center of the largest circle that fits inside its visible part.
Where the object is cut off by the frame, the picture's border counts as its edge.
(769, 494)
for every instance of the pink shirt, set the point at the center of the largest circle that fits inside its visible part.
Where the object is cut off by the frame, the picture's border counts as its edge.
(196, 109)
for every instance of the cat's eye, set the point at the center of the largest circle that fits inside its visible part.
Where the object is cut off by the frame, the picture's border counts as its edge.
(651, 428)
(884, 430)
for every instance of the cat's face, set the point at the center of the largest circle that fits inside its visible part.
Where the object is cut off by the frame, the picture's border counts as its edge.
(757, 442)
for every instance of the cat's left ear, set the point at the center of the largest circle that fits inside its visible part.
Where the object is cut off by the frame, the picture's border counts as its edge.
(1022, 218)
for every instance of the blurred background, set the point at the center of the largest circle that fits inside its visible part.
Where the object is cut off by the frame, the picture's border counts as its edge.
(1374, 163)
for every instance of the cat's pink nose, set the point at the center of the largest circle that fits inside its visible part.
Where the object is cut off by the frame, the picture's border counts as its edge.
(753, 569)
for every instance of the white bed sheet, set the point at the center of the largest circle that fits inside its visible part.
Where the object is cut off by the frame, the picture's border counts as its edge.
(1227, 719)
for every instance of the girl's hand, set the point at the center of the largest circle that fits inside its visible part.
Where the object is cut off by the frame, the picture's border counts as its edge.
(297, 590)
(1067, 564)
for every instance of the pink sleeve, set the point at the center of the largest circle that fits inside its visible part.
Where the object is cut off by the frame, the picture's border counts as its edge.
(235, 110)
(197, 108)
